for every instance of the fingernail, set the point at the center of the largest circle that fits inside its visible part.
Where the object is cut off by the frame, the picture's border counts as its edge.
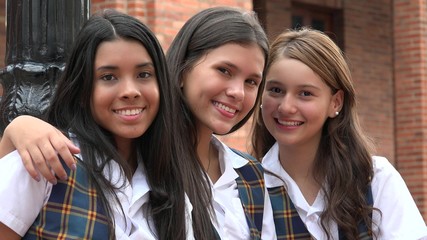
(54, 182)
(64, 178)
(74, 167)
(37, 178)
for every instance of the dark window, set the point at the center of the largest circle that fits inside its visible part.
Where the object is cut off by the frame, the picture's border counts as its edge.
(321, 18)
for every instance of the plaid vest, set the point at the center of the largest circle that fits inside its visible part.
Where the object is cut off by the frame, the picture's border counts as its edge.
(73, 211)
(289, 224)
(251, 187)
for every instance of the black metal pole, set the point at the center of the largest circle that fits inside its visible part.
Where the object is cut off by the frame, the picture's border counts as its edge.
(39, 34)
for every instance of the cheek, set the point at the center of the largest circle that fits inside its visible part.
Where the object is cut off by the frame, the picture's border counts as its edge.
(152, 94)
(250, 99)
(100, 98)
(269, 104)
(315, 112)
(156, 102)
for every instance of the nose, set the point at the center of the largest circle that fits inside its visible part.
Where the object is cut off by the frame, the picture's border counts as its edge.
(129, 89)
(236, 90)
(287, 105)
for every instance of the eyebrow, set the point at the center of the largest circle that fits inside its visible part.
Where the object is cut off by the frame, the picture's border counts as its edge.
(113, 67)
(277, 82)
(255, 75)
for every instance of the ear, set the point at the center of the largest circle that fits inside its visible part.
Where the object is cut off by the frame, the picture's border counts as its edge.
(337, 102)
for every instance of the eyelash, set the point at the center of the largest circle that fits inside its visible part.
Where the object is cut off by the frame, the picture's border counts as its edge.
(224, 71)
(147, 74)
(305, 93)
(111, 77)
(275, 90)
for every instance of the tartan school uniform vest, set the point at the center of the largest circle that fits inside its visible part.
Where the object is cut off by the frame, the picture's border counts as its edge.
(289, 224)
(73, 211)
(251, 187)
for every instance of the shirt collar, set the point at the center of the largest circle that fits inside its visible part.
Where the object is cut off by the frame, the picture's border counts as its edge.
(228, 161)
(277, 176)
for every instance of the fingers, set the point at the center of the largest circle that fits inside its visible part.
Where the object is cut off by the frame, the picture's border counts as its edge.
(65, 149)
(43, 157)
(35, 163)
(41, 147)
(28, 163)
(53, 152)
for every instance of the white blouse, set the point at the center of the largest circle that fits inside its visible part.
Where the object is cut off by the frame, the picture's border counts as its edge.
(230, 220)
(21, 198)
(400, 219)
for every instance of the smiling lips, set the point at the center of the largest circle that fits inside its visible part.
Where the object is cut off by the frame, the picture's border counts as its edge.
(129, 112)
(225, 108)
(290, 123)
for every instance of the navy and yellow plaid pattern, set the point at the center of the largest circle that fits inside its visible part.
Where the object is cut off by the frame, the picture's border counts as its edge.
(286, 219)
(73, 211)
(289, 224)
(251, 187)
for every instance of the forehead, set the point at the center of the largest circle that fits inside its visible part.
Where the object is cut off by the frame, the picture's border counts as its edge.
(293, 72)
(248, 56)
(120, 50)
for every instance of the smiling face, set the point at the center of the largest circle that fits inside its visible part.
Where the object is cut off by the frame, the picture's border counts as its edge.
(221, 88)
(125, 97)
(296, 103)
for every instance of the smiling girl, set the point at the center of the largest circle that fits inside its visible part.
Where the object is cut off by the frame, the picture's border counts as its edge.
(323, 181)
(115, 103)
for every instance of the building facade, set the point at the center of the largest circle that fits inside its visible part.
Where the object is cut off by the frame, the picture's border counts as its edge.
(385, 42)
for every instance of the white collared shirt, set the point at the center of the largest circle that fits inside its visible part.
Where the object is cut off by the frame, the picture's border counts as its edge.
(401, 218)
(18, 212)
(230, 221)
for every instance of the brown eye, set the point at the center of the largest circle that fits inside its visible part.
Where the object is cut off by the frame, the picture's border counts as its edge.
(108, 77)
(144, 75)
(224, 71)
(305, 94)
(275, 90)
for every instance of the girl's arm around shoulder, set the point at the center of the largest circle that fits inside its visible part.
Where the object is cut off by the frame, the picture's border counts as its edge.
(40, 145)
(400, 217)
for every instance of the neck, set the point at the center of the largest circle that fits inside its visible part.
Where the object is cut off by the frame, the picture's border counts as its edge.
(299, 164)
(208, 157)
(124, 147)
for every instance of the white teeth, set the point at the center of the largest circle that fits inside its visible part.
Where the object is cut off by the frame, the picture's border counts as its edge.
(223, 107)
(129, 112)
(287, 123)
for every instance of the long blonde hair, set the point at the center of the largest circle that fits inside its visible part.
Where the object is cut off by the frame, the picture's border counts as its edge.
(343, 159)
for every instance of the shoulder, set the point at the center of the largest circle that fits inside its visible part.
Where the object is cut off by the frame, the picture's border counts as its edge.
(383, 168)
(16, 188)
(251, 160)
(399, 217)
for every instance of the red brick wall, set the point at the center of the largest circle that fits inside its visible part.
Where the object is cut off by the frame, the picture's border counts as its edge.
(410, 70)
(368, 41)
(165, 18)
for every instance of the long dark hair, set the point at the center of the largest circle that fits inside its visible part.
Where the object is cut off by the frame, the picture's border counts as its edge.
(205, 31)
(343, 160)
(158, 147)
